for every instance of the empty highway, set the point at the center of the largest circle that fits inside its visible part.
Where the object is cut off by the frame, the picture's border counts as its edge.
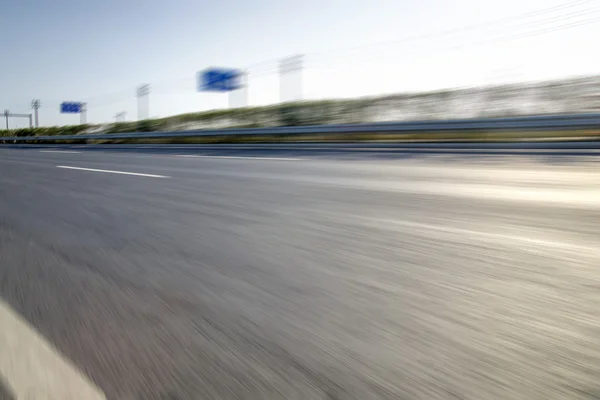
(274, 274)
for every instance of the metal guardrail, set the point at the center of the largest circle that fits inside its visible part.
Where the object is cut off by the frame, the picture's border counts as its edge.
(545, 122)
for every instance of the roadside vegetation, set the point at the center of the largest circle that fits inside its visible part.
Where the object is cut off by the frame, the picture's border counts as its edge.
(289, 114)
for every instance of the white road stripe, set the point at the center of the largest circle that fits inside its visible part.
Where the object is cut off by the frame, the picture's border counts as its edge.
(553, 244)
(33, 369)
(60, 151)
(112, 172)
(242, 158)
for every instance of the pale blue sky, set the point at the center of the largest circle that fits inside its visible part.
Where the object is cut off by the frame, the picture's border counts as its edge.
(99, 51)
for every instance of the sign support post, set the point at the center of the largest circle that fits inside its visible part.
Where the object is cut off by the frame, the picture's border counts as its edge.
(83, 114)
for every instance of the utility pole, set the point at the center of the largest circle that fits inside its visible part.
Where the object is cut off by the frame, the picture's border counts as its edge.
(36, 104)
(6, 115)
(143, 106)
(287, 69)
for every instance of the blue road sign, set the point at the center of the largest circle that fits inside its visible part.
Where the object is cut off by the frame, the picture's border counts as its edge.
(219, 80)
(71, 107)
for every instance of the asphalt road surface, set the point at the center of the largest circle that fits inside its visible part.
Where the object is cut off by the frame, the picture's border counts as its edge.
(211, 275)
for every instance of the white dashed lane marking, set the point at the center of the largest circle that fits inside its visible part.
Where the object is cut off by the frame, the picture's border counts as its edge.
(60, 151)
(242, 157)
(108, 171)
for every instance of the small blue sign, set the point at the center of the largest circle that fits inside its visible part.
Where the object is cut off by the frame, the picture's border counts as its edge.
(219, 80)
(71, 107)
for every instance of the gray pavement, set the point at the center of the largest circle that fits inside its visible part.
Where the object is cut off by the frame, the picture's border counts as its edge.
(304, 277)
(5, 393)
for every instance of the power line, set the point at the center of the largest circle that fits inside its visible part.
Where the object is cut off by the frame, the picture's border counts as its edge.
(522, 34)
(525, 34)
(495, 24)
(109, 99)
(552, 29)
(514, 34)
(499, 24)
(274, 69)
(520, 26)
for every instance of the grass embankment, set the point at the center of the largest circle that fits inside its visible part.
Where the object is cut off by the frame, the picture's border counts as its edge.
(296, 114)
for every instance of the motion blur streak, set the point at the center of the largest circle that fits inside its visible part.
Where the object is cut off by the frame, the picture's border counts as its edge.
(424, 277)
